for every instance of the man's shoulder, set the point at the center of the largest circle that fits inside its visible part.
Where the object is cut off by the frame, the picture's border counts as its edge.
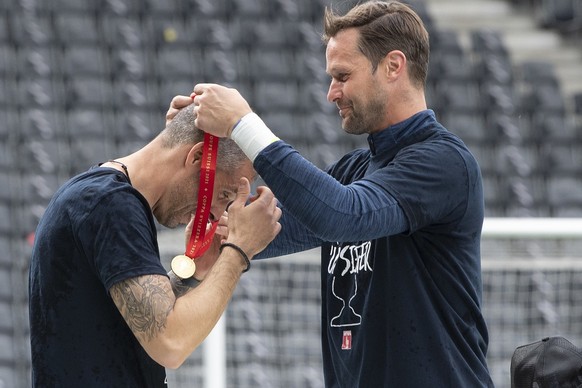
(93, 185)
(441, 147)
(350, 162)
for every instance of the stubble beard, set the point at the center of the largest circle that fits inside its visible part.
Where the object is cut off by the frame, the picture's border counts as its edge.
(176, 214)
(361, 121)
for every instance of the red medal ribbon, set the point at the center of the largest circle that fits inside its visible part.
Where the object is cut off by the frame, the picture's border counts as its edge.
(200, 240)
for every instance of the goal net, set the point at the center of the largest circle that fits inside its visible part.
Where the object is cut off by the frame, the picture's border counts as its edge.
(270, 334)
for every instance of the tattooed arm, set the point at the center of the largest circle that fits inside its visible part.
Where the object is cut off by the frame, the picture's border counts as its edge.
(145, 303)
(169, 327)
(182, 286)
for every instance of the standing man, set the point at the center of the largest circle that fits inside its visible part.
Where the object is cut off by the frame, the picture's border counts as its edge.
(399, 223)
(103, 311)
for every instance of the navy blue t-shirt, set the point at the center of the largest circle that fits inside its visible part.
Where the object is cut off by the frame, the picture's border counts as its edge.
(399, 225)
(96, 231)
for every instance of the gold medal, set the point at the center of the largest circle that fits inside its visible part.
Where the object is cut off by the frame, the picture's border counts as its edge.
(183, 266)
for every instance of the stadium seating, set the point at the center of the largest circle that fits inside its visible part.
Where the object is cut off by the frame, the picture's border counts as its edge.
(84, 81)
(564, 16)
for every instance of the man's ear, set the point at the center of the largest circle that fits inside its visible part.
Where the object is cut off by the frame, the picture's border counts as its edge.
(394, 64)
(194, 155)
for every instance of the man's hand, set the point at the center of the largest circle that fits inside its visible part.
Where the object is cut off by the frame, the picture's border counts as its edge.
(254, 226)
(218, 108)
(176, 105)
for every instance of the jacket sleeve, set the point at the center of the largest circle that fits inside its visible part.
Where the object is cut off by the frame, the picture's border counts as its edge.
(362, 210)
(294, 237)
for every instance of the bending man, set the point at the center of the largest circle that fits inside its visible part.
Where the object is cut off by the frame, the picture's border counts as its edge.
(103, 311)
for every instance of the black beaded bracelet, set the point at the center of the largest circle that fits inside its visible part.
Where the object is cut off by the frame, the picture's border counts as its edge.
(242, 253)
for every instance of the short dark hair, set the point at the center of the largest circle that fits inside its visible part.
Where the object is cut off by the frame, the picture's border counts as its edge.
(182, 130)
(385, 26)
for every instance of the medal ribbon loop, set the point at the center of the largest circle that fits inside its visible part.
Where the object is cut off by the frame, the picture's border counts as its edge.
(200, 240)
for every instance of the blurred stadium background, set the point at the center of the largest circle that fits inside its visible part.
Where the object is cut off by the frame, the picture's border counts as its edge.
(82, 81)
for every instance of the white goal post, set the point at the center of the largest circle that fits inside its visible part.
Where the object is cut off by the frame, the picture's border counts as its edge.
(532, 228)
(532, 271)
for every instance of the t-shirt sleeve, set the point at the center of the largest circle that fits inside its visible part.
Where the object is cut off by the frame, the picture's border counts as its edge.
(119, 239)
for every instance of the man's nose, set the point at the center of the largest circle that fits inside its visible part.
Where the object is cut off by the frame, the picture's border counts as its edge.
(211, 217)
(216, 211)
(334, 92)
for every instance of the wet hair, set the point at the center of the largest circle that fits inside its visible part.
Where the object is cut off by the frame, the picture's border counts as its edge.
(182, 130)
(385, 26)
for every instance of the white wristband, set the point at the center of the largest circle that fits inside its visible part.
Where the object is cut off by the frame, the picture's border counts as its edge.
(252, 135)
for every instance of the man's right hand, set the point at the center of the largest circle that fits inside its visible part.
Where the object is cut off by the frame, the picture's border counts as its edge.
(218, 108)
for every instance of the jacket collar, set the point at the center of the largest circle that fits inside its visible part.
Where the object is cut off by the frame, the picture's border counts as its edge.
(398, 135)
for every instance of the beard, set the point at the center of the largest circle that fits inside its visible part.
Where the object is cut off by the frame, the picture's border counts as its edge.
(365, 116)
(180, 204)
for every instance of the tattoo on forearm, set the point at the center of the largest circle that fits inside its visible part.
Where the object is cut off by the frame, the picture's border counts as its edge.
(145, 303)
(182, 286)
